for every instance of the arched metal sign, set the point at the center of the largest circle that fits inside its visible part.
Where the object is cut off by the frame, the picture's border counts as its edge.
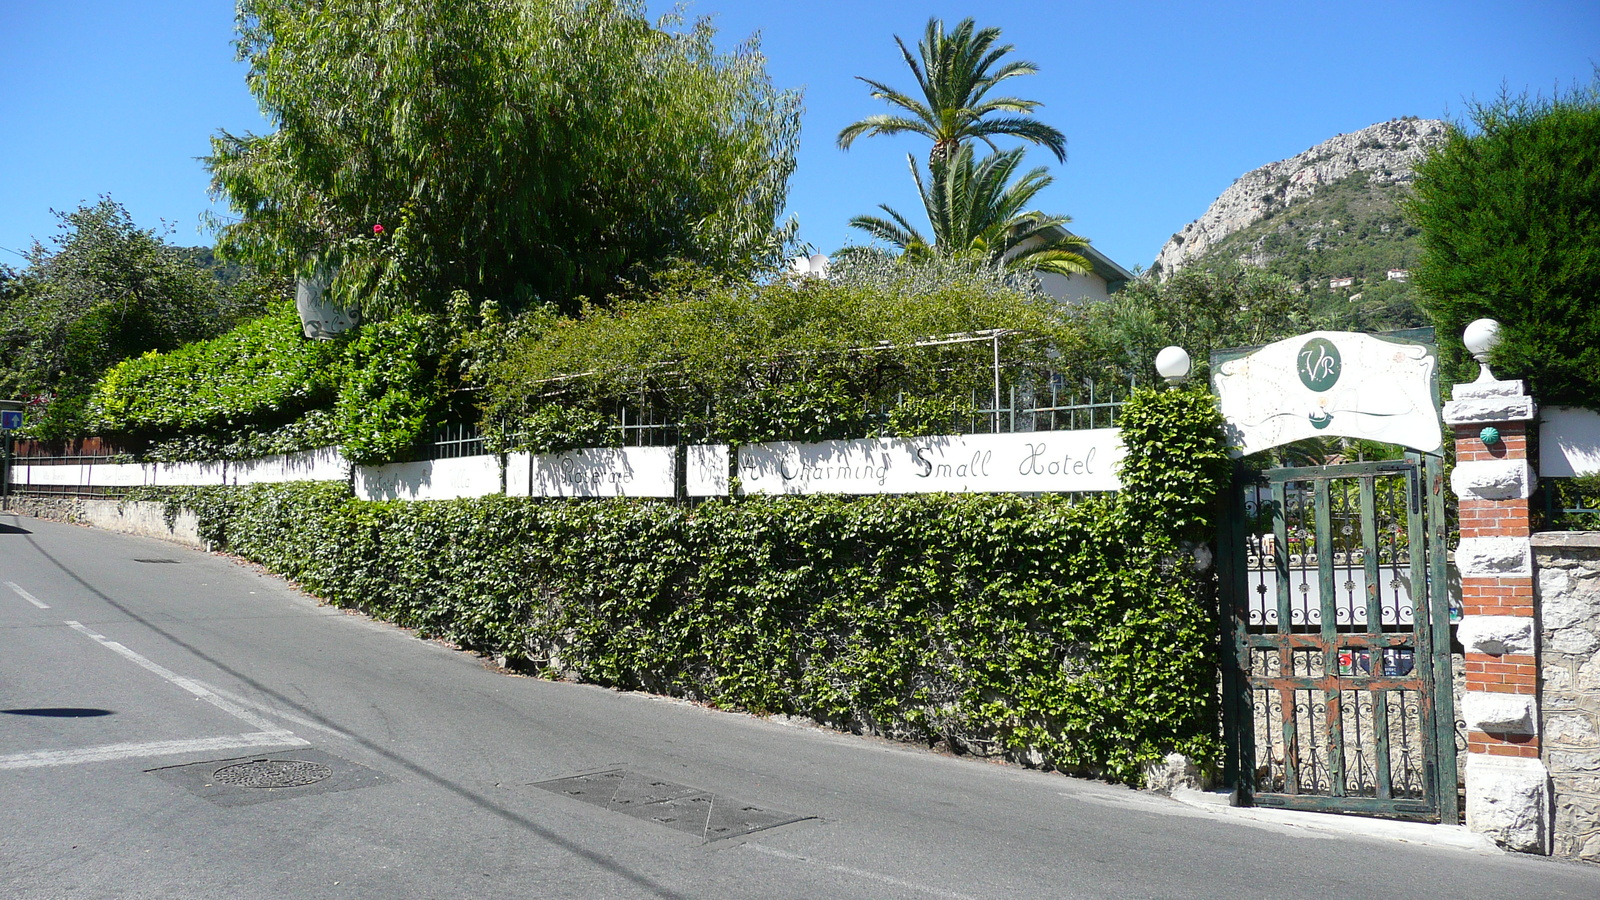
(1324, 383)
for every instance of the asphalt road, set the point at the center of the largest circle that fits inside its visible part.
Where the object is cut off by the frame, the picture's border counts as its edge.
(129, 687)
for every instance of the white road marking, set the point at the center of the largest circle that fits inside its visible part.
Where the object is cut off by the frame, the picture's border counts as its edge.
(279, 714)
(27, 596)
(861, 873)
(42, 758)
(188, 684)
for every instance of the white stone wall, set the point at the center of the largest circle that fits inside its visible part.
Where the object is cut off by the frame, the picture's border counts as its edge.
(327, 464)
(594, 472)
(439, 479)
(1569, 618)
(312, 465)
(1569, 442)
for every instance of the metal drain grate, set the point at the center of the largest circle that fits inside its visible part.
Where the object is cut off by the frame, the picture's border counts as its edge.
(272, 773)
(239, 781)
(172, 561)
(700, 812)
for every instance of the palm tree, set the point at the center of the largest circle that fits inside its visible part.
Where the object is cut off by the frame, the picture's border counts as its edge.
(977, 212)
(955, 78)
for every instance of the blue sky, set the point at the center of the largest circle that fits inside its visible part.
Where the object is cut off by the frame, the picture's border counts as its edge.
(1163, 104)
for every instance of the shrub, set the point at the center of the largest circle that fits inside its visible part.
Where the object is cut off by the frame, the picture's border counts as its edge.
(1037, 628)
(391, 393)
(1509, 210)
(263, 373)
(794, 359)
(264, 388)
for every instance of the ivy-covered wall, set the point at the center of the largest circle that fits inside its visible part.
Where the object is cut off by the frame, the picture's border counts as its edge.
(1074, 635)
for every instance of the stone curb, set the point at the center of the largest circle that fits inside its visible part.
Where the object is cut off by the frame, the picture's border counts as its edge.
(1450, 837)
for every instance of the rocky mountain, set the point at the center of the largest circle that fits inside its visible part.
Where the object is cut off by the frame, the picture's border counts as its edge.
(1379, 159)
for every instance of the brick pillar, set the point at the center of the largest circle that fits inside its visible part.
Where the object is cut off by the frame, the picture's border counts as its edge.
(1508, 793)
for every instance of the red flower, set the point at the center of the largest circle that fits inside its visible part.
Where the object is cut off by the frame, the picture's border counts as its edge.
(377, 229)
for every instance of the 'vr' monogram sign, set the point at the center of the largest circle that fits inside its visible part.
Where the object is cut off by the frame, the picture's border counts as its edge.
(1380, 388)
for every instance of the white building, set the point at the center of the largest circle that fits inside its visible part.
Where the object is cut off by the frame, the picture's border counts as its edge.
(1105, 279)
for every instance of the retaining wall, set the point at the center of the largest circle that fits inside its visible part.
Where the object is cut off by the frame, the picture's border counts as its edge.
(144, 518)
(1569, 685)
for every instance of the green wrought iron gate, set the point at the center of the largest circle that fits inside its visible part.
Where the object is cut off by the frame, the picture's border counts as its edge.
(1338, 684)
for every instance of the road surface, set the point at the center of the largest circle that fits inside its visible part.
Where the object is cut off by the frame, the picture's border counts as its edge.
(153, 696)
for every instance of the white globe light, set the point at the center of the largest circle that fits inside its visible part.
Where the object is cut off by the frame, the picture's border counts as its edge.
(813, 266)
(1480, 337)
(1172, 363)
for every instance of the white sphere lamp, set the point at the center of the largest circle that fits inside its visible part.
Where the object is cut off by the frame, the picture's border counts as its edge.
(1480, 337)
(813, 266)
(1172, 363)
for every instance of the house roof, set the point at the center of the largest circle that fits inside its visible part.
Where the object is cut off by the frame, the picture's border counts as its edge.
(1114, 275)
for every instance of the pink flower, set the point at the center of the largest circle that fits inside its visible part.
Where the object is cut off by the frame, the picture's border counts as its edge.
(377, 229)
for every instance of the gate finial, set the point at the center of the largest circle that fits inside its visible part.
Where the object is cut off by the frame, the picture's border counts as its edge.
(1480, 337)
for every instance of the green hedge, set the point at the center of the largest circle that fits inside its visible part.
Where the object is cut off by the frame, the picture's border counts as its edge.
(265, 388)
(391, 395)
(263, 372)
(1509, 209)
(1079, 635)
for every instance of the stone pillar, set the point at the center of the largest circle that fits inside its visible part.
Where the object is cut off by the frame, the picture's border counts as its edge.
(1508, 786)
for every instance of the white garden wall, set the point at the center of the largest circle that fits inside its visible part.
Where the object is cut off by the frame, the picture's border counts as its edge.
(1569, 442)
(439, 479)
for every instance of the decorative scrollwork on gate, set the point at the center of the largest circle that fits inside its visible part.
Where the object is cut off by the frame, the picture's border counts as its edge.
(1313, 776)
(1360, 743)
(1406, 745)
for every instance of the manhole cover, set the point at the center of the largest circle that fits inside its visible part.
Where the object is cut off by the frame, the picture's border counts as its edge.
(272, 773)
(708, 815)
(269, 777)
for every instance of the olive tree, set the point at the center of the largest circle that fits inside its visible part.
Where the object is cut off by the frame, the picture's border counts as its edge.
(104, 291)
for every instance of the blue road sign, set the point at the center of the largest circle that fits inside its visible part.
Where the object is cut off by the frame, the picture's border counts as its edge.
(10, 420)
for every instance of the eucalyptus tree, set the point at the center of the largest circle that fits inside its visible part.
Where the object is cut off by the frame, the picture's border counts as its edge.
(524, 150)
(955, 71)
(976, 209)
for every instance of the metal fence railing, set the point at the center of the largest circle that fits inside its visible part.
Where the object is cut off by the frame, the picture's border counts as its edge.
(79, 492)
(1564, 505)
(23, 482)
(1051, 407)
(649, 428)
(455, 440)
